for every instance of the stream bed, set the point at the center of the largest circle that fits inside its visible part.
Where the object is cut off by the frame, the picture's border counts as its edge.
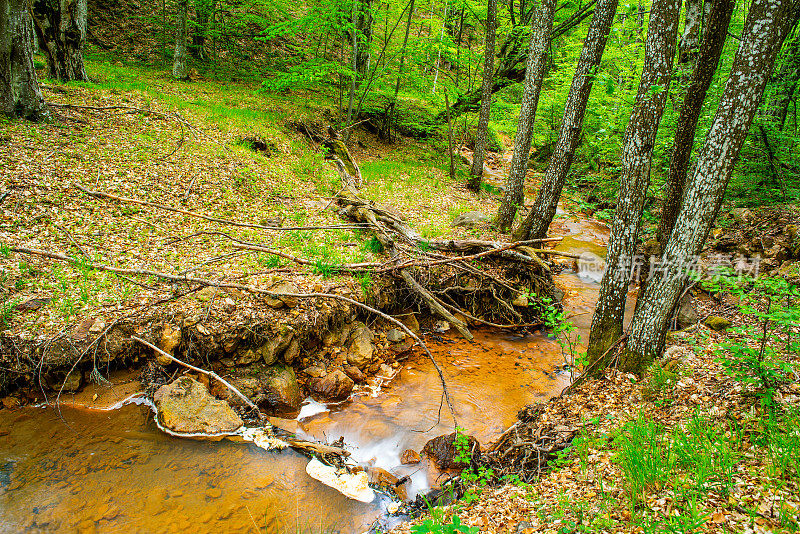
(95, 466)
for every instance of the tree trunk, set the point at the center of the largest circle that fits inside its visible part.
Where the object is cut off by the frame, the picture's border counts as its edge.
(690, 38)
(785, 80)
(354, 70)
(180, 69)
(535, 225)
(637, 152)
(204, 10)
(61, 29)
(534, 75)
(705, 67)
(386, 131)
(363, 26)
(513, 57)
(19, 88)
(482, 133)
(768, 23)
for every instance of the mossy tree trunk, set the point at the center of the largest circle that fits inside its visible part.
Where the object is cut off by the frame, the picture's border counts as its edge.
(705, 67)
(180, 67)
(19, 88)
(536, 223)
(768, 23)
(482, 133)
(534, 76)
(61, 29)
(637, 152)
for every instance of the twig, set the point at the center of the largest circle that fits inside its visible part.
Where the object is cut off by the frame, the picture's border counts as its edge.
(479, 255)
(253, 289)
(100, 194)
(174, 114)
(211, 374)
(585, 374)
(69, 235)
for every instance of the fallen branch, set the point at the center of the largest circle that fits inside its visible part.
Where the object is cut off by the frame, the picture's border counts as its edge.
(210, 374)
(585, 374)
(251, 289)
(173, 115)
(100, 194)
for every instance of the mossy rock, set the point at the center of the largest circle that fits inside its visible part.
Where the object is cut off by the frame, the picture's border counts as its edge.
(717, 323)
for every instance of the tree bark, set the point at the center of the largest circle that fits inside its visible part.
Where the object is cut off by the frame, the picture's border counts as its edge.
(786, 81)
(19, 88)
(637, 152)
(705, 67)
(363, 27)
(482, 133)
(386, 132)
(535, 225)
(513, 57)
(534, 75)
(690, 38)
(61, 30)
(204, 10)
(180, 68)
(768, 23)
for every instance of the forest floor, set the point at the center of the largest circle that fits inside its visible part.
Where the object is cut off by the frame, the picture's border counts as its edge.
(711, 465)
(135, 133)
(686, 449)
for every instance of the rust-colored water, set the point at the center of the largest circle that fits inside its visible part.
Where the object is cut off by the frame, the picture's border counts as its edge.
(116, 472)
(91, 469)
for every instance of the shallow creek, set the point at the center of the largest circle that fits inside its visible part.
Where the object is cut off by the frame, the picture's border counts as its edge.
(93, 466)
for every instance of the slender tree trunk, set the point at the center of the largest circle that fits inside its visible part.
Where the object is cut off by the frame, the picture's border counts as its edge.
(637, 153)
(513, 57)
(204, 10)
(705, 67)
(354, 69)
(690, 38)
(482, 133)
(458, 48)
(439, 47)
(536, 223)
(363, 23)
(768, 23)
(19, 88)
(786, 81)
(514, 196)
(180, 69)
(450, 145)
(387, 131)
(61, 29)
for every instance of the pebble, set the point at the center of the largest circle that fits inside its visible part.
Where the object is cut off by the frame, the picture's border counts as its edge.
(214, 493)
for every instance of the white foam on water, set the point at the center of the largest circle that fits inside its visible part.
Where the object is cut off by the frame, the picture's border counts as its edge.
(310, 408)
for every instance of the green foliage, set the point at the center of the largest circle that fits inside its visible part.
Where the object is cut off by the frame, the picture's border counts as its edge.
(759, 354)
(661, 381)
(563, 330)
(374, 245)
(472, 475)
(646, 458)
(438, 523)
(7, 311)
(365, 281)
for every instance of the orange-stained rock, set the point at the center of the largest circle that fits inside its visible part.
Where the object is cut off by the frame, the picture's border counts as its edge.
(334, 386)
(410, 456)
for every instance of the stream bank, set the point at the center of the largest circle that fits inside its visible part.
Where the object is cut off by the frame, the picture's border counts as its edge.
(111, 460)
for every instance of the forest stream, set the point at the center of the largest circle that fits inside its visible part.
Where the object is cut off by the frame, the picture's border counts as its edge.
(83, 469)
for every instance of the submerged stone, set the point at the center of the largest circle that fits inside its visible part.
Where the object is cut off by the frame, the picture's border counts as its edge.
(186, 406)
(280, 390)
(442, 451)
(333, 387)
